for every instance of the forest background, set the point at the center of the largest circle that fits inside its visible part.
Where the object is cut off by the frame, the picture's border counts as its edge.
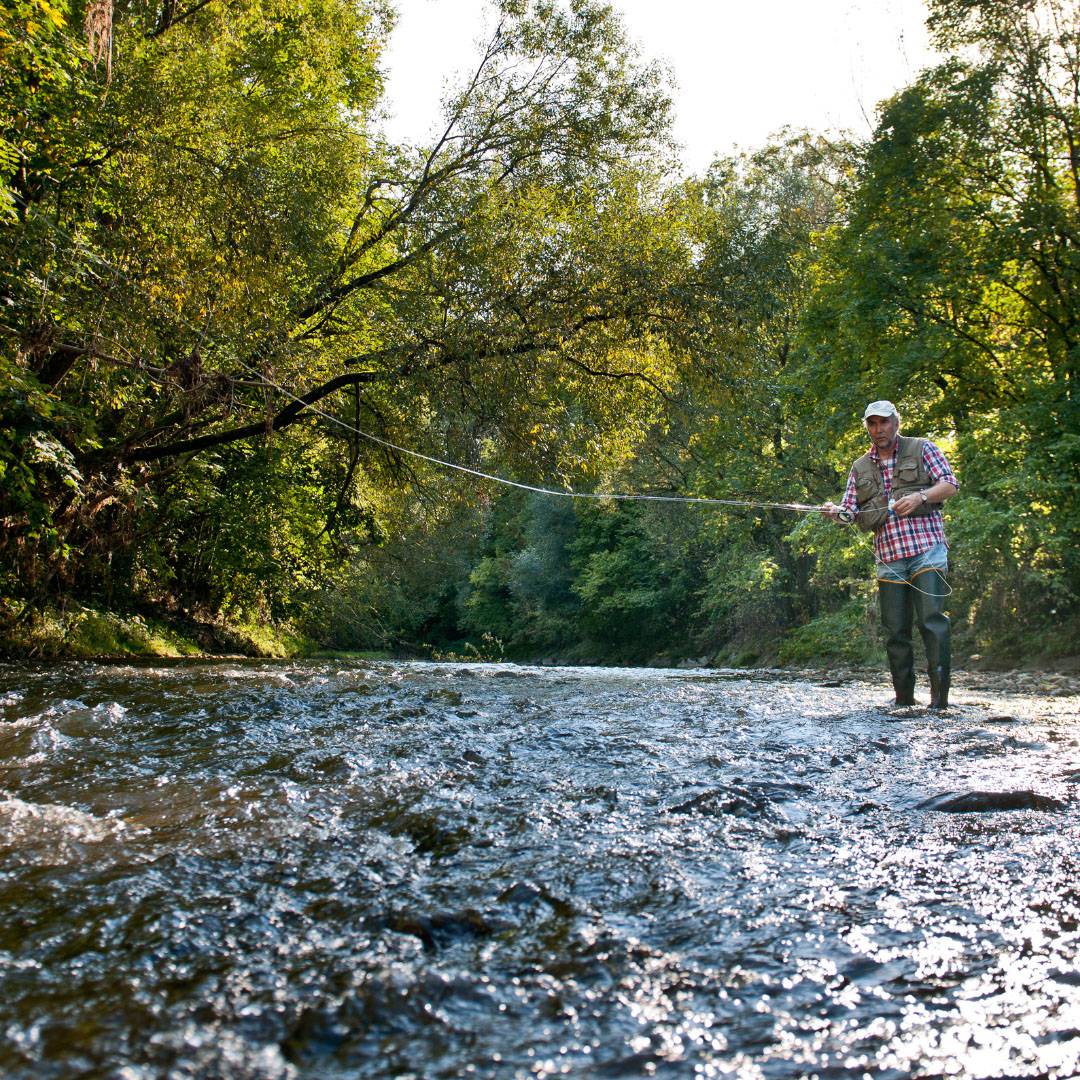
(225, 301)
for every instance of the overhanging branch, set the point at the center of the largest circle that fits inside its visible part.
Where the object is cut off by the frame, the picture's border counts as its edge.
(282, 419)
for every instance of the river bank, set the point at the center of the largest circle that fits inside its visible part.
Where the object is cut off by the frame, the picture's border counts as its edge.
(90, 634)
(78, 632)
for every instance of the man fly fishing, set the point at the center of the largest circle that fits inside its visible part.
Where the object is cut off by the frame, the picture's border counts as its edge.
(895, 491)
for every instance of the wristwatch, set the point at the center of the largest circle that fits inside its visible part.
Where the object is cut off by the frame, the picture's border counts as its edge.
(923, 494)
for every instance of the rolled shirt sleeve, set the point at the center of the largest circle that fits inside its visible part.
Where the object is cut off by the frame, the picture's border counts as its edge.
(936, 465)
(849, 502)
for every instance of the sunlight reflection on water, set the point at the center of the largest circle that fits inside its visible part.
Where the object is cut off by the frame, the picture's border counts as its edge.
(366, 870)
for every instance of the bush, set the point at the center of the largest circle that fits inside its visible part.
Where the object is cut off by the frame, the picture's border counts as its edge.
(848, 635)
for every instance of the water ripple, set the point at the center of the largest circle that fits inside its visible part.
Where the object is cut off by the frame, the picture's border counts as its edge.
(285, 870)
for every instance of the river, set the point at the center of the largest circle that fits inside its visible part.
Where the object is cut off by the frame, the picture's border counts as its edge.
(333, 869)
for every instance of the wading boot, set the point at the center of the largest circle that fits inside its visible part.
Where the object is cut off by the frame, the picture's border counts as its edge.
(930, 590)
(894, 602)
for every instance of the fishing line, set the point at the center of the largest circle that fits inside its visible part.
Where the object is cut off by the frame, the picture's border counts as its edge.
(846, 516)
(565, 494)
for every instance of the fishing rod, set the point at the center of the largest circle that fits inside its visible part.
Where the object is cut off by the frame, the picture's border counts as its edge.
(262, 379)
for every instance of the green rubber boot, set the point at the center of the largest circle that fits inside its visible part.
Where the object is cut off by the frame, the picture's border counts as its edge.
(894, 602)
(931, 589)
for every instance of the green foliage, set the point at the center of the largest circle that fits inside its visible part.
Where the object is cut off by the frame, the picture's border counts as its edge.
(521, 590)
(742, 595)
(846, 634)
(43, 93)
(597, 579)
(625, 593)
(218, 281)
(489, 604)
(37, 472)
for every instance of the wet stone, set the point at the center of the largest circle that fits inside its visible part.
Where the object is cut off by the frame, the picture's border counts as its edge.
(526, 894)
(444, 696)
(734, 801)
(981, 802)
(436, 931)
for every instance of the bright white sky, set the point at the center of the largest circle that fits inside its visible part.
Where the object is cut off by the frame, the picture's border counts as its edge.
(743, 69)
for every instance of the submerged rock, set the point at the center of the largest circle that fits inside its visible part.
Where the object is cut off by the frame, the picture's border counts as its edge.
(436, 930)
(981, 802)
(527, 894)
(444, 696)
(749, 800)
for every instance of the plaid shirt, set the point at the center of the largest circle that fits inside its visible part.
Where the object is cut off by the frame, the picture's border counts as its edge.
(903, 537)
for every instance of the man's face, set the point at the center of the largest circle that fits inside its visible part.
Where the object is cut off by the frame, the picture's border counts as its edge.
(882, 430)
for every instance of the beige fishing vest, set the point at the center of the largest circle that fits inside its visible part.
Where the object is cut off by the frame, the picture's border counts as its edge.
(910, 476)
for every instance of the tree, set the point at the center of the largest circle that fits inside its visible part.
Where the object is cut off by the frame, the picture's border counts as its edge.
(953, 285)
(238, 255)
(748, 433)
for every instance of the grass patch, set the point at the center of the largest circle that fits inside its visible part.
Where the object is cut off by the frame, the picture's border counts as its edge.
(86, 633)
(83, 633)
(101, 633)
(847, 635)
(264, 639)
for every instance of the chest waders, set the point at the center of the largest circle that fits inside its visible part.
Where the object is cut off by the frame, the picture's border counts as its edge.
(934, 627)
(924, 596)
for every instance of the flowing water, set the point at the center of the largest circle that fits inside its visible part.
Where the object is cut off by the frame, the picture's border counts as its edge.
(331, 870)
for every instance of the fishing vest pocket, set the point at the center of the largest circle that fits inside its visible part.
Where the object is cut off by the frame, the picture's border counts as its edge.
(871, 500)
(873, 514)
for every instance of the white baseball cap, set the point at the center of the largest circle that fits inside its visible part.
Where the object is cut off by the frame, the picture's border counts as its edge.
(880, 408)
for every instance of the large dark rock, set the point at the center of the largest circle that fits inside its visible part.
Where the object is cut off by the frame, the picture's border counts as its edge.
(981, 802)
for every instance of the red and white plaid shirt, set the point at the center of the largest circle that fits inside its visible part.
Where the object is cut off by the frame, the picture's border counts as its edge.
(903, 537)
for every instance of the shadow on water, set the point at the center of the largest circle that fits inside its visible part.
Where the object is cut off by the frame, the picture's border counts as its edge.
(324, 869)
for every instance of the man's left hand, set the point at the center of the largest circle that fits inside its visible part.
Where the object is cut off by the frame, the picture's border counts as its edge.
(907, 505)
